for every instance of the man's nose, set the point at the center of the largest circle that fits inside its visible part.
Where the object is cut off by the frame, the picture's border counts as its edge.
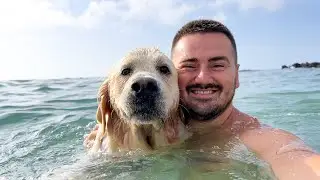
(203, 76)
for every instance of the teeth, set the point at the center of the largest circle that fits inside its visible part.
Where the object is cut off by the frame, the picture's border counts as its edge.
(203, 92)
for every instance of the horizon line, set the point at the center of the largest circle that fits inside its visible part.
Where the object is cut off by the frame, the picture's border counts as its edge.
(100, 76)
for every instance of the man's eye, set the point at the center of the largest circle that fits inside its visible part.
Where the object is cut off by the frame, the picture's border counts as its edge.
(126, 71)
(188, 66)
(218, 66)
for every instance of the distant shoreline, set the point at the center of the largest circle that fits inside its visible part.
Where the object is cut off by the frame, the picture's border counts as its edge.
(302, 65)
(248, 70)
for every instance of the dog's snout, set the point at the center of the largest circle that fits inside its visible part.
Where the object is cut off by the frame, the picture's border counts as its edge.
(145, 85)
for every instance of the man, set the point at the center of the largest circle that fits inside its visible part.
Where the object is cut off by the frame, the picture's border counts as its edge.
(204, 53)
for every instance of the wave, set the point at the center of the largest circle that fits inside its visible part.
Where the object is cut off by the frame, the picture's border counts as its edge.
(46, 89)
(295, 92)
(309, 101)
(81, 101)
(18, 117)
(16, 94)
(22, 81)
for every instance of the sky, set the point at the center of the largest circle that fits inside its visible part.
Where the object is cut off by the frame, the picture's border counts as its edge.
(45, 39)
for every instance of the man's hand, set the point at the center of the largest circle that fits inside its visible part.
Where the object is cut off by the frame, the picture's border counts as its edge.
(289, 157)
(89, 138)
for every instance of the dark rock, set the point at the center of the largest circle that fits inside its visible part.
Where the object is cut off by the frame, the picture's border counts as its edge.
(315, 64)
(297, 65)
(303, 65)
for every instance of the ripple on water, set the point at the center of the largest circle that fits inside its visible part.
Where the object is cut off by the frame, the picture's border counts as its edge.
(20, 117)
(176, 164)
(40, 144)
(16, 94)
(293, 93)
(46, 89)
(78, 101)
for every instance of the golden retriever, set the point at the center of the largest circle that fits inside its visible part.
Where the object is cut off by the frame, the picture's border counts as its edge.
(139, 105)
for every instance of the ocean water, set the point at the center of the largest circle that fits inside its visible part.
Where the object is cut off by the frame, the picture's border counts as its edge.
(43, 122)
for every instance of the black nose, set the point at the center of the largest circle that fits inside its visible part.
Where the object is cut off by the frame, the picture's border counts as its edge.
(145, 86)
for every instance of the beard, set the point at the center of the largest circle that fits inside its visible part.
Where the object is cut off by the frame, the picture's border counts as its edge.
(207, 110)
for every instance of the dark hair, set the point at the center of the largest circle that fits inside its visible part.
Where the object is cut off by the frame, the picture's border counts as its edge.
(204, 26)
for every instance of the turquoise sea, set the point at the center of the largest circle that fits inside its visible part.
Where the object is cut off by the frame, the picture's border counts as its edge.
(42, 124)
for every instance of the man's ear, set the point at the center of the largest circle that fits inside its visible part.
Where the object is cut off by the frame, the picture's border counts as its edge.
(237, 76)
(104, 109)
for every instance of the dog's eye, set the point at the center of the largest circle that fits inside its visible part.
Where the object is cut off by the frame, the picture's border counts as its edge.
(126, 71)
(164, 70)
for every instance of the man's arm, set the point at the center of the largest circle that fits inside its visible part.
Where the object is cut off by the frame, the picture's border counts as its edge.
(89, 138)
(288, 156)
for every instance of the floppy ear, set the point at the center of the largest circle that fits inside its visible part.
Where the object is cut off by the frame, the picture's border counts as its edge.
(175, 127)
(103, 116)
(181, 114)
(104, 109)
(171, 125)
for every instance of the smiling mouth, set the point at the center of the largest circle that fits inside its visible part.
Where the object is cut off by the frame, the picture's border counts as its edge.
(203, 91)
(204, 94)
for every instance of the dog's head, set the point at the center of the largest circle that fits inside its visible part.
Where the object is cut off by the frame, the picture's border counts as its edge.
(142, 90)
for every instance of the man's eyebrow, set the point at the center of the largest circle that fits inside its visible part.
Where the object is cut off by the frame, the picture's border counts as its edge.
(189, 60)
(219, 58)
(212, 59)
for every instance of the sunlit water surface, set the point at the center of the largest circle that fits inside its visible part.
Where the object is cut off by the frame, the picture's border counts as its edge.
(42, 124)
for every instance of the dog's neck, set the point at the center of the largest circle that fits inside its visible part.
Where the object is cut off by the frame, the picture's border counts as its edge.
(147, 136)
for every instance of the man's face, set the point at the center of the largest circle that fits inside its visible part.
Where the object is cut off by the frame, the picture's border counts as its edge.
(208, 74)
